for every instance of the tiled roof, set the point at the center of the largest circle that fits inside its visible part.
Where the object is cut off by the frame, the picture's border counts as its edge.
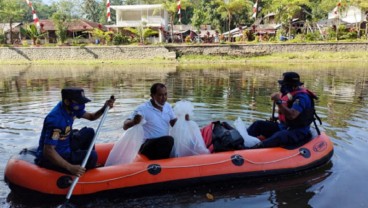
(75, 25)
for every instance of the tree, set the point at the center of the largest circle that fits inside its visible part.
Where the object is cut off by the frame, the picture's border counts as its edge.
(11, 10)
(229, 8)
(32, 32)
(92, 10)
(61, 22)
(70, 8)
(286, 9)
(43, 11)
(142, 33)
(172, 8)
(104, 37)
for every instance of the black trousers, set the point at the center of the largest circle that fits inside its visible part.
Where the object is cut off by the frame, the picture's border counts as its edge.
(157, 148)
(79, 145)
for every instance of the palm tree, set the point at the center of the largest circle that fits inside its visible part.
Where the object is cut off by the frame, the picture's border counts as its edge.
(232, 7)
(32, 32)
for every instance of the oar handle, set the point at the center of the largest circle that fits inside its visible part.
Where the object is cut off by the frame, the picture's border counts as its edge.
(273, 111)
(75, 181)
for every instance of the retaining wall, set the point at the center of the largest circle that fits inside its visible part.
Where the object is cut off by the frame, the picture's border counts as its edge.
(165, 52)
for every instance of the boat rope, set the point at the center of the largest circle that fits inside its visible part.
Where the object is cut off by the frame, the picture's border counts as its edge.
(190, 166)
(273, 161)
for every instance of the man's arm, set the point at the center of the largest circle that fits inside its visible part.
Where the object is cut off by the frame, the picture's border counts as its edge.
(131, 122)
(94, 116)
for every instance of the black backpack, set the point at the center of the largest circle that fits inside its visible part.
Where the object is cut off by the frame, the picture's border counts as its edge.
(225, 137)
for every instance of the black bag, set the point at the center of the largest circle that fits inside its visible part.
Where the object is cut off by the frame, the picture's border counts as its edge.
(225, 137)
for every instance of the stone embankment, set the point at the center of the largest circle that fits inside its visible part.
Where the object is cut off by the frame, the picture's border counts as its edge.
(169, 52)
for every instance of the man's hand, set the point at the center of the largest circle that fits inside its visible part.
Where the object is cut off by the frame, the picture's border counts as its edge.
(76, 170)
(187, 117)
(110, 102)
(275, 96)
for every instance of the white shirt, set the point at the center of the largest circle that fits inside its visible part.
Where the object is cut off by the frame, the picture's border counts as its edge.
(157, 122)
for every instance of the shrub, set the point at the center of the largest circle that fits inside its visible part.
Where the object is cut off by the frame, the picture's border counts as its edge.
(2, 39)
(120, 39)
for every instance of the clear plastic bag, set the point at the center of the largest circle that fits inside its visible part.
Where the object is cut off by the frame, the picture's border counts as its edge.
(126, 149)
(187, 135)
(249, 141)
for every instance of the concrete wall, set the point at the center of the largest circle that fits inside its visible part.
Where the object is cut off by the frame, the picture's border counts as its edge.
(164, 52)
(85, 53)
(263, 49)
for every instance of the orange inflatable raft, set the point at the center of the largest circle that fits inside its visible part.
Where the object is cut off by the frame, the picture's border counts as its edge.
(22, 173)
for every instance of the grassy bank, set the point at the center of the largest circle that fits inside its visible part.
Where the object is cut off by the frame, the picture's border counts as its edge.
(299, 57)
(292, 57)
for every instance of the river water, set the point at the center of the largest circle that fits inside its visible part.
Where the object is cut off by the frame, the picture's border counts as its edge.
(218, 92)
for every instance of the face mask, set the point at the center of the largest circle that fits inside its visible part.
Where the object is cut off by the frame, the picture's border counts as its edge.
(158, 104)
(285, 89)
(77, 107)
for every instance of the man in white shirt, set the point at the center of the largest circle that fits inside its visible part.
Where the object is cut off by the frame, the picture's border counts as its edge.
(159, 115)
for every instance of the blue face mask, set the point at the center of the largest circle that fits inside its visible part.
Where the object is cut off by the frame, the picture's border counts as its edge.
(77, 107)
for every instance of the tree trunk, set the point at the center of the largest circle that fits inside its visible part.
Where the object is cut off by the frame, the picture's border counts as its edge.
(11, 30)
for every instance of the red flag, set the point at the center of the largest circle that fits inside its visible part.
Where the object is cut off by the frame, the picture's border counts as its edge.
(108, 11)
(34, 15)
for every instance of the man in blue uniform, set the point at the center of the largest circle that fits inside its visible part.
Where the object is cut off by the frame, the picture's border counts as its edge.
(296, 113)
(62, 148)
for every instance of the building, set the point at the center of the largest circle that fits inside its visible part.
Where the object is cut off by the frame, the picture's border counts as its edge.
(15, 29)
(135, 16)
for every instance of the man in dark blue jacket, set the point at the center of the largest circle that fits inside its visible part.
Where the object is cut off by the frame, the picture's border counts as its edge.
(296, 113)
(62, 148)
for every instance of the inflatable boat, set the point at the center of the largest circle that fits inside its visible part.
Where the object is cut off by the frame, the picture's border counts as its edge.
(22, 173)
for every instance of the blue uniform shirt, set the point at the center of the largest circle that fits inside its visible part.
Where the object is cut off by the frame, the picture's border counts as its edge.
(302, 102)
(57, 129)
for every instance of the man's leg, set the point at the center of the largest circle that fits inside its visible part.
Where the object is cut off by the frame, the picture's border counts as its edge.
(159, 148)
(264, 128)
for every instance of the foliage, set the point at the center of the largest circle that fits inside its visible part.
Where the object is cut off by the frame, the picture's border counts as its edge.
(10, 12)
(120, 39)
(92, 10)
(32, 32)
(313, 36)
(142, 33)
(2, 39)
(231, 8)
(103, 36)
(61, 23)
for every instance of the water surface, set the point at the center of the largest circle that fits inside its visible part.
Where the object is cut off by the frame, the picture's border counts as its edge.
(28, 93)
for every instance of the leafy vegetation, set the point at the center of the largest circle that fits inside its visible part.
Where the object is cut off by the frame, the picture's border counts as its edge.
(221, 15)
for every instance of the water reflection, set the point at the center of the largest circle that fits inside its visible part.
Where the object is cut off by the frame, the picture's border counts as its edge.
(27, 93)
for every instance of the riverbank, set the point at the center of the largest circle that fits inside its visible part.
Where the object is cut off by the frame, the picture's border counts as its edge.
(187, 54)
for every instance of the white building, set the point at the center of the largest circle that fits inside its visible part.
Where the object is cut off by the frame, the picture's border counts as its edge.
(351, 15)
(152, 16)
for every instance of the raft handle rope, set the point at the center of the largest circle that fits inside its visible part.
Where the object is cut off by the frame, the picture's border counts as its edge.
(300, 152)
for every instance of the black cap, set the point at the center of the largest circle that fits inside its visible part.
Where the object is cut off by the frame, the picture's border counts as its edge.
(74, 93)
(290, 78)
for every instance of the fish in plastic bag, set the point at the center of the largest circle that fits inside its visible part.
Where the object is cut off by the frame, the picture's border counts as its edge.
(126, 149)
(188, 139)
(249, 141)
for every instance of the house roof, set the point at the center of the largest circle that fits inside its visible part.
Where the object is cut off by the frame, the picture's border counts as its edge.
(6, 26)
(74, 25)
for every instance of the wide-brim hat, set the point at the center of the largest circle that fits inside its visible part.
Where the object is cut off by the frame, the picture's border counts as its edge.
(74, 93)
(290, 78)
